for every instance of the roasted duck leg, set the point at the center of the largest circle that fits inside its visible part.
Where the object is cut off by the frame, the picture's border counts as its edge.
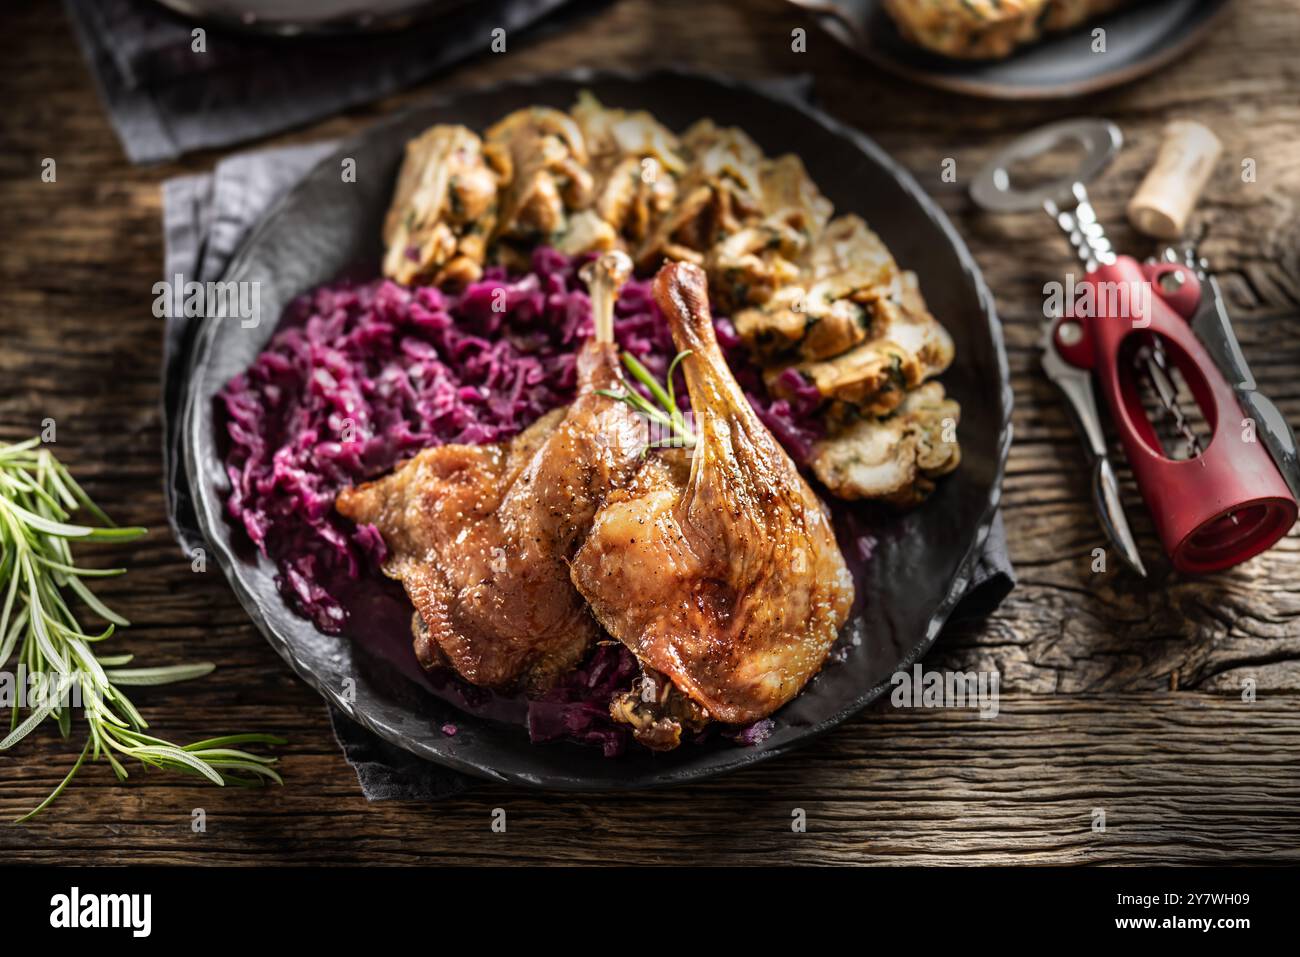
(481, 536)
(722, 574)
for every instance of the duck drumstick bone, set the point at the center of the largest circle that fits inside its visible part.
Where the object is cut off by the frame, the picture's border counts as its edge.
(604, 277)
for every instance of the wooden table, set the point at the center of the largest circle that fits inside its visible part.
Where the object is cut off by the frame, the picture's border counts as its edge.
(1118, 695)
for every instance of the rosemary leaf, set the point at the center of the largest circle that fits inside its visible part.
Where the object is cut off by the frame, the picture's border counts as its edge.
(38, 626)
(667, 413)
(160, 676)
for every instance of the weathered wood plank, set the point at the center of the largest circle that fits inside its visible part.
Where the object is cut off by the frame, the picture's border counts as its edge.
(1087, 660)
(1181, 776)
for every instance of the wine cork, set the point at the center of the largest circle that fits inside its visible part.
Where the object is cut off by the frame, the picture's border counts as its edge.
(1168, 194)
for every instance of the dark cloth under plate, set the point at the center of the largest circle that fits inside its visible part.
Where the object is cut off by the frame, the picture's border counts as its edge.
(205, 219)
(165, 99)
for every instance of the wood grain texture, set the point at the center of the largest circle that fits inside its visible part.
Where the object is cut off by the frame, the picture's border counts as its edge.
(1117, 695)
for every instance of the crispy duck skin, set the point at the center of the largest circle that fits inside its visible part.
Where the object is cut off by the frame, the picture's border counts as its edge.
(723, 575)
(481, 536)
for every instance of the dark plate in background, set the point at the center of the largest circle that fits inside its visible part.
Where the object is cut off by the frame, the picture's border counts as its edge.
(1139, 40)
(924, 558)
(295, 17)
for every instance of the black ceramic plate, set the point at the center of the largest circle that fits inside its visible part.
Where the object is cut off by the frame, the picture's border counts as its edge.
(1139, 40)
(924, 558)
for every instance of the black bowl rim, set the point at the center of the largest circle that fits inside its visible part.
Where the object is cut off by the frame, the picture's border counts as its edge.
(210, 517)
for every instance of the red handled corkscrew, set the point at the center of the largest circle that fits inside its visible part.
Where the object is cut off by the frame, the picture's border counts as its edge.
(1223, 489)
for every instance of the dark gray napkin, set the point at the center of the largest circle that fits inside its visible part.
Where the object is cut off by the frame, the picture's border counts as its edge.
(386, 772)
(205, 218)
(164, 99)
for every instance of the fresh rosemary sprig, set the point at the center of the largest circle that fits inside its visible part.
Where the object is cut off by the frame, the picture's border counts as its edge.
(37, 573)
(666, 413)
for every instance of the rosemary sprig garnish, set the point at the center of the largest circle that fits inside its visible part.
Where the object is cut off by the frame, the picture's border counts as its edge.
(666, 413)
(37, 573)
